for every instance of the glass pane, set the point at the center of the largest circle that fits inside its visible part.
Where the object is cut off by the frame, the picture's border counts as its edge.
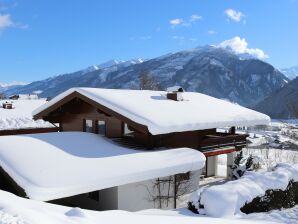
(127, 131)
(88, 126)
(101, 127)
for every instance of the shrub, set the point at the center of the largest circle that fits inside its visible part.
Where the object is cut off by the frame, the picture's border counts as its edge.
(274, 199)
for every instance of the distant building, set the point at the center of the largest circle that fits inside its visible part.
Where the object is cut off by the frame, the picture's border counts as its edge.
(7, 105)
(24, 97)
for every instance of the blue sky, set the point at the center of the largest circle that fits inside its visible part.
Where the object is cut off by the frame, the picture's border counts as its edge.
(42, 38)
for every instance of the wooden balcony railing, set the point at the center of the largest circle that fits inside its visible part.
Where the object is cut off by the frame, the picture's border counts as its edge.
(223, 140)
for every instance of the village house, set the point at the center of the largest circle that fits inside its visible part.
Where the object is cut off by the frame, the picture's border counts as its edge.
(24, 97)
(7, 105)
(124, 149)
(16, 118)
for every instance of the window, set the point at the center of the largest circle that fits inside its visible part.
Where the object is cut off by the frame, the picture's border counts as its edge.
(127, 130)
(101, 127)
(88, 126)
(182, 176)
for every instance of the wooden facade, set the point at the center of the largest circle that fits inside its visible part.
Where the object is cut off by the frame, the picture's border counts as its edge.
(79, 113)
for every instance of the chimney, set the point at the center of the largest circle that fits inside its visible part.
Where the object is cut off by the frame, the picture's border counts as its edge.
(175, 93)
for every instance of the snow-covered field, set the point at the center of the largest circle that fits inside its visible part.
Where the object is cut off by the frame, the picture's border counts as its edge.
(289, 216)
(277, 143)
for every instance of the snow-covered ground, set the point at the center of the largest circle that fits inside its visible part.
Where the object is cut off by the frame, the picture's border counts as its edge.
(21, 115)
(289, 216)
(15, 210)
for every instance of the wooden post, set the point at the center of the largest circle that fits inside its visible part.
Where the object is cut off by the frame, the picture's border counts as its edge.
(233, 130)
(175, 192)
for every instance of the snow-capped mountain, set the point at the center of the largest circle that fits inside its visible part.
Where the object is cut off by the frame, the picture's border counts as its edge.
(211, 70)
(282, 102)
(291, 72)
(8, 86)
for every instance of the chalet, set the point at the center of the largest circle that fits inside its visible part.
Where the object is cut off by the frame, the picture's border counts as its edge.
(154, 119)
(123, 149)
(7, 105)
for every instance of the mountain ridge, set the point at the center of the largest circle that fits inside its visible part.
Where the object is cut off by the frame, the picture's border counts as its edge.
(291, 72)
(209, 69)
(280, 104)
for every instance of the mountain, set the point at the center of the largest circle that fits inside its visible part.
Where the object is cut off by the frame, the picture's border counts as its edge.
(291, 72)
(280, 104)
(9, 86)
(211, 70)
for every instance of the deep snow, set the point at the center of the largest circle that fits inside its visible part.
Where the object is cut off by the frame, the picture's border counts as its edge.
(16, 210)
(58, 165)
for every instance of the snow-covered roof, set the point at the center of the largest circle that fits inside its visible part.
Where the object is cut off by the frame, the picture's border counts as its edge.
(57, 165)
(21, 115)
(161, 115)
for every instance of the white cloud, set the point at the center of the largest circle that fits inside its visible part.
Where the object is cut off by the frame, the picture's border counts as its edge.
(176, 22)
(195, 17)
(185, 22)
(234, 15)
(240, 46)
(178, 37)
(5, 21)
(212, 32)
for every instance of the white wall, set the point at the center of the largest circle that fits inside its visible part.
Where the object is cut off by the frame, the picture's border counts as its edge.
(230, 162)
(211, 163)
(139, 196)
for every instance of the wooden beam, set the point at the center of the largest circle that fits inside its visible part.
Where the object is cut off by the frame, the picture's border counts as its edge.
(20, 191)
(28, 131)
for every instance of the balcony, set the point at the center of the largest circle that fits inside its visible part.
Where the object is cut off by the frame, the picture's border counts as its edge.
(221, 143)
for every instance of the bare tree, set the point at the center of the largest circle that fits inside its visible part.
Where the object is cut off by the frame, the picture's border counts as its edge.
(168, 190)
(293, 107)
(146, 82)
(2, 96)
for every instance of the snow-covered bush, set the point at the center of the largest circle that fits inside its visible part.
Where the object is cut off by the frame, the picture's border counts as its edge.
(227, 199)
(274, 199)
(241, 165)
